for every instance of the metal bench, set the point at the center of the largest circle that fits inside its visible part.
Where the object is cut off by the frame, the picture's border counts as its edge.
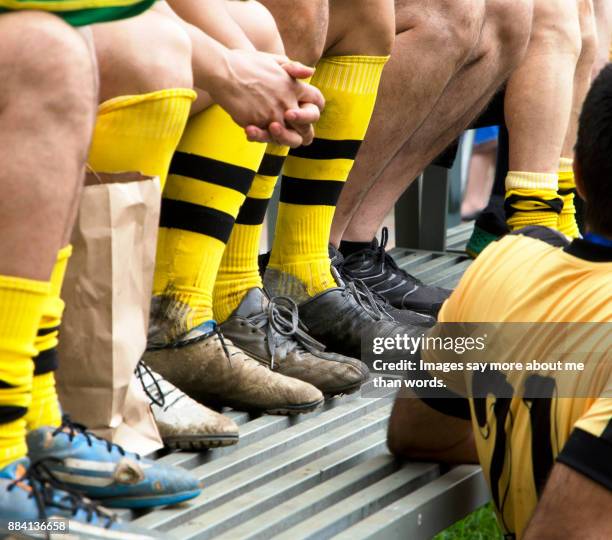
(327, 474)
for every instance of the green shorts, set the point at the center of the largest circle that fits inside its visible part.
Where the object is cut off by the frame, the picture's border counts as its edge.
(81, 12)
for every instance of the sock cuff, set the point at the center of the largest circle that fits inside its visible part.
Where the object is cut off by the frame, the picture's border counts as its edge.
(355, 74)
(124, 102)
(566, 165)
(18, 284)
(531, 180)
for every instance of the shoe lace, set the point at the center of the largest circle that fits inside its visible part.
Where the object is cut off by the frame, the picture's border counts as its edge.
(41, 484)
(153, 388)
(387, 262)
(72, 429)
(284, 331)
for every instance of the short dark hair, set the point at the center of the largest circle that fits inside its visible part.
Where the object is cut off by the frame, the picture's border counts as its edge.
(594, 153)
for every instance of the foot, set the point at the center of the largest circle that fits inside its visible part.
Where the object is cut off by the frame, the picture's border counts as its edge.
(183, 423)
(106, 472)
(404, 316)
(30, 494)
(270, 332)
(489, 227)
(347, 314)
(211, 369)
(381, 274)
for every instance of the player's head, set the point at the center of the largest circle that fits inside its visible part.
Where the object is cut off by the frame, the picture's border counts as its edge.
(594, 154)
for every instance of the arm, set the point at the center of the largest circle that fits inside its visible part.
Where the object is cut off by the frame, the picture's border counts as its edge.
(572, 507)
(213, 18)
(259, 91)
(419, 432)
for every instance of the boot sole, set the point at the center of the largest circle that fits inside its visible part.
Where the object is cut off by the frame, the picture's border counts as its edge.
(200, 443)
(347, 390)
(293, 410)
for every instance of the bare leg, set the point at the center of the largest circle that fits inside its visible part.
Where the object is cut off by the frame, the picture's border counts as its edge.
(47, 110)
(584, 69)
(433, 41)
(504, 38)
(538, 120)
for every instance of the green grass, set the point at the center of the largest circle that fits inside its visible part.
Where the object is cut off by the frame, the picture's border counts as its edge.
(481, 525)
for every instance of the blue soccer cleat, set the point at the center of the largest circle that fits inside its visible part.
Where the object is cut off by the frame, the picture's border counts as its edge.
(106, 472)
(34, 505)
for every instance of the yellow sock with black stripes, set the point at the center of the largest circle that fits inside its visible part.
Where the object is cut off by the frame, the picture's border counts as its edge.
(45, 408)
(532, 199)
(21, 306)
(313, 176)
(567, 191)
(140, 133)
(239, 269)
(210, 175)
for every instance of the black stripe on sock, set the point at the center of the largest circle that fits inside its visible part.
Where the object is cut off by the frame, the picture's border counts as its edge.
(47, 331)
(271, 165)
(555, 205)
(253, 211)
(46, 362)
(328, 149)
(310, 192)
(10, 413)
(569, 191)
(212, 171)
(194, 218)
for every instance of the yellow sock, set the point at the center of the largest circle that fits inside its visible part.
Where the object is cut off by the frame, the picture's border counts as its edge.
(210, 175)
(313, 176)
(567, 190)
(140, 133)
(532, 199)
(45, 408)
(21, 305)
(239, 269)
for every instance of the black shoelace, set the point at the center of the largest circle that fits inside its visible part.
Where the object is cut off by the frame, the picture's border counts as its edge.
(153, 388)
(281, 322)
(70, 428)
(40, 481)
(387, 262)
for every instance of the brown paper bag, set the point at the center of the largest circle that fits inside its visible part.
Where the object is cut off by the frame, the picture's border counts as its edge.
(108, 293)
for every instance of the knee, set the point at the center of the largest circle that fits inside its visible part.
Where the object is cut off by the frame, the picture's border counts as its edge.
(452, 28)
(512, 23)
(303, 26)
(58, 67)
(556, 26)
(260, 27)
(141, 55)
(376, 21)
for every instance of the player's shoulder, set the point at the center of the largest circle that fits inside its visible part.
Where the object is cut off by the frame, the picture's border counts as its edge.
(522, 245)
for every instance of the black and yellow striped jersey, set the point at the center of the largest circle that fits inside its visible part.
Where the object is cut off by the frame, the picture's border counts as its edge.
(516, 280)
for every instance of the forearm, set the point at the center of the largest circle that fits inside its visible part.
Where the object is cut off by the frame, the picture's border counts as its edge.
(213, 18)
(572, 507)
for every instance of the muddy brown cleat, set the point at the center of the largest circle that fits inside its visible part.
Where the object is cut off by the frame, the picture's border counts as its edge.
(269, 331)
(211, 369)
(183, 423)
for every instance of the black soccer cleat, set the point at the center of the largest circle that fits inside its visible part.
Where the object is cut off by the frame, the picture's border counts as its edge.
(381, 274)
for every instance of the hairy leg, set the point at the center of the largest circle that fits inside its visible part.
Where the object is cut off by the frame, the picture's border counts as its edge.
(47, 111)
(584, 69)
(504, 37)
(433, 41)
(538, 120)
(303, 25)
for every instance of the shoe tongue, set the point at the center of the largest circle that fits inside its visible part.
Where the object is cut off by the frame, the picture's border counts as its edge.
(253, 303)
